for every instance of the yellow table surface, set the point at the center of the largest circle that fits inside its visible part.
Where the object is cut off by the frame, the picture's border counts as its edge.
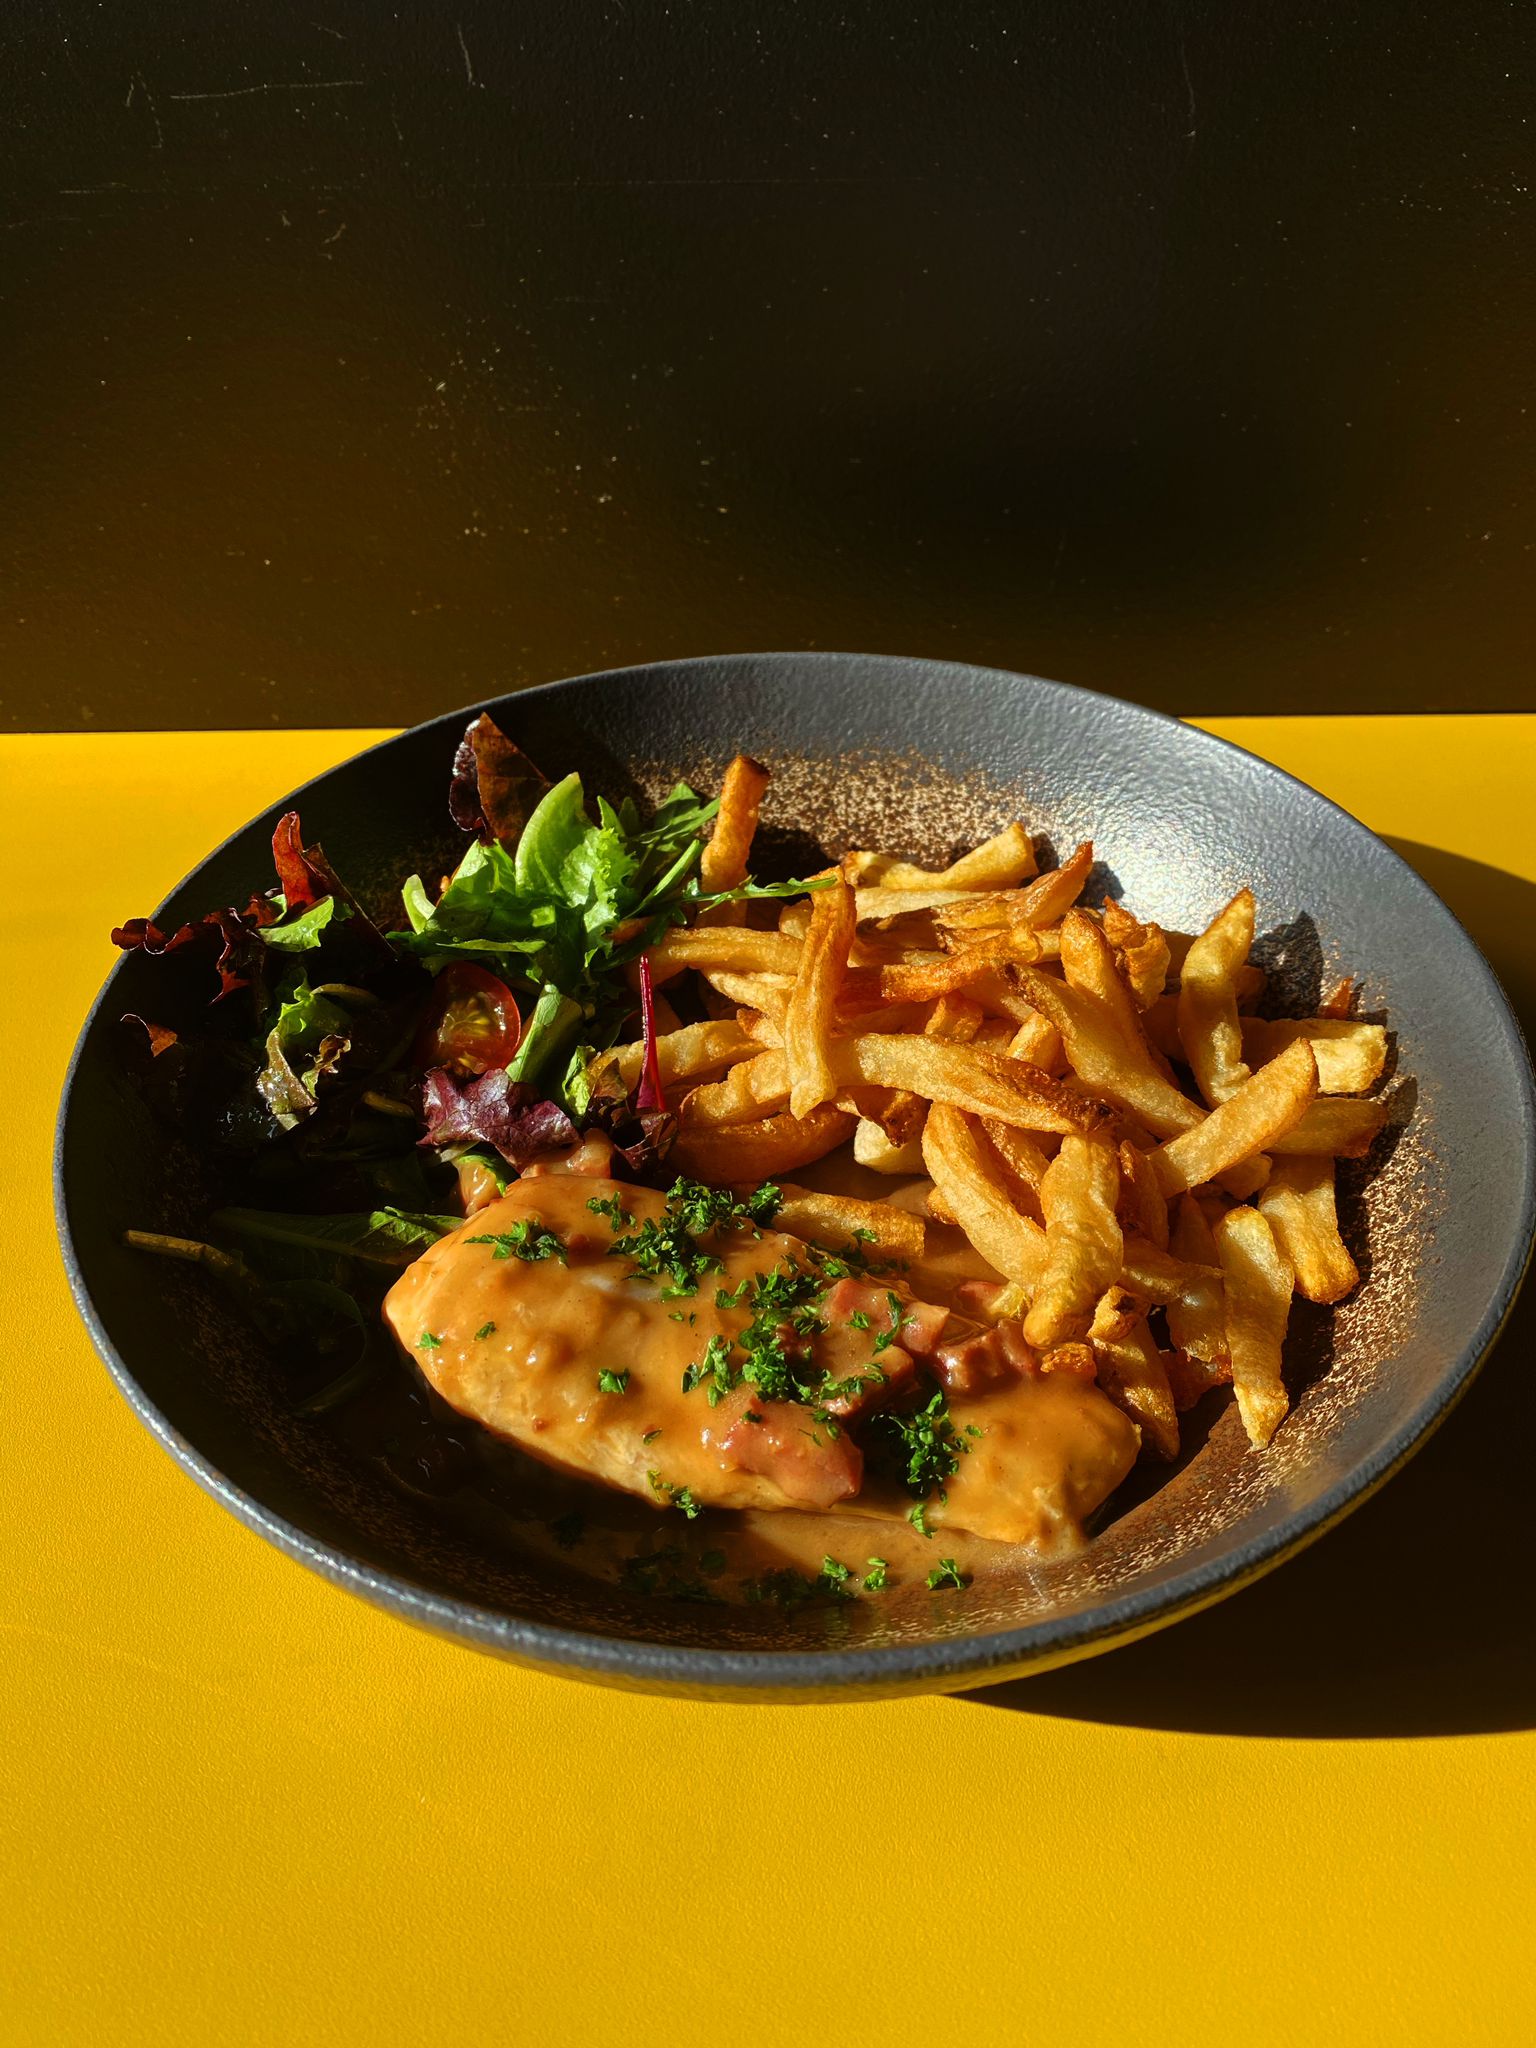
(240, 1806)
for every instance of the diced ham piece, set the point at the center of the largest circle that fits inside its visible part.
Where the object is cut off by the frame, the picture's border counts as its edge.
(865, 1350)
(779, 1441)
(921, 1321)
(922, 1325)
(988, 1359)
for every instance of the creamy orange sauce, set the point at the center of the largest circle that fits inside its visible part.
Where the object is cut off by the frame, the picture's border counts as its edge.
(517, 1347)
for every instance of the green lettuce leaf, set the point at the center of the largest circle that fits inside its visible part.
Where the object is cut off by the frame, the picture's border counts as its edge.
(564, 914)
(378, 1237)
(299, 934)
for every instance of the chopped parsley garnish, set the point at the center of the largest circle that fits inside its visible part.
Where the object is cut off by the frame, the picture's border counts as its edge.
(650, 1436)
(928, 1442)
(918, 1517)
(874, 1575)
(675, 1496)
(852, 1262)
(850, 1388)
(712, 1371)
(613, 1208)
(569, 1529)
(612, 1382)
(427, 1342)
(899, 1317)
(525, 1240)
(946, 1573)
(859, 1320)
(485, 1330)
(835, 1576)
(670, 1250)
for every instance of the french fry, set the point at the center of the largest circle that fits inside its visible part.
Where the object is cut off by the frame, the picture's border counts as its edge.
(1209, 1030)
(752, 1089)
(1044, 902)
(1076, 1359)
(1246, 1178)
(872, 1148)
(874, 905)
(1342, 1125)
(1340, 999)
(768, 994)
(735, 948)
(946, 973)
(1039, 1042)
(1142, 1202)
(1350, 1054)
(1089, 963)
(1191, 1379)
(1258, 1282)
(951, 1270)
(1001, 862)
(1083, 1240)
(1160, 1021)
(1131, 1370)
(833, 1220)
(1115, 1315)
(1162, 1277)
(1024, 1156)
(681, 1055)
(996, 1034)
(727, 851)
(758, 1151)
(1118, 1069)
(968, 1174)
(953, 1018)
(888, 1017)
(809, 1019)
(1251, 980)
(1253, 1120)
(1298, 1205)
(985, 1083)
(1142, 950)
(1197, 1320)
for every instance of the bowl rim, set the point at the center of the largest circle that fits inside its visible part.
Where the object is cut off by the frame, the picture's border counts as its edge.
(940, 1664)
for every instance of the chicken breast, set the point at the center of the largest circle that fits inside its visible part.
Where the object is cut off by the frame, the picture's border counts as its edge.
(527, 1320)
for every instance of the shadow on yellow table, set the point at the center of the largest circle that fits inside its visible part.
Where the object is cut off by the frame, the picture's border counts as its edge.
(1413, 1617)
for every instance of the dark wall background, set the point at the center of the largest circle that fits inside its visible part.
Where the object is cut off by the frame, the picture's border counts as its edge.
(357, 361)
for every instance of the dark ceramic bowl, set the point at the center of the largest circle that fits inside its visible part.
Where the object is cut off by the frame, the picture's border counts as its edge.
(921, 757)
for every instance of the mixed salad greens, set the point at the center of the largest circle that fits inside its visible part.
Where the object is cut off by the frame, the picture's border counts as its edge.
(337, 1075)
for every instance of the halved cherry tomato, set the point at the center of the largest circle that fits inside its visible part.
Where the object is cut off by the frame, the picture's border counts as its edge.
(472, 1025)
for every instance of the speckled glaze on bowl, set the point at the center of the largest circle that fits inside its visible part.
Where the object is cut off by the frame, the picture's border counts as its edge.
(921, 757)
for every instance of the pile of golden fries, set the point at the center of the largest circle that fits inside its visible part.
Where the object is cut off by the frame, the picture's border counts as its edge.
(1091, 1129)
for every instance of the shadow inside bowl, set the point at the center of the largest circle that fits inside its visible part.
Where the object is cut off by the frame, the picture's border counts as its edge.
(1413, 1617)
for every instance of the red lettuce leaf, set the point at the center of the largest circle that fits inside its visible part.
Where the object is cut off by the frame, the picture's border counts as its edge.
(305, 876)
(494, 1110)
(230, 935)
(641, 1138)
(495, 786)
